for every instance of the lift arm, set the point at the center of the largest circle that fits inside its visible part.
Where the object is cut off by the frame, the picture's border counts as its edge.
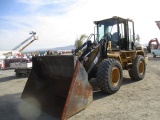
(153, 40)
(158, 24)
(27, 44)
(33, 34)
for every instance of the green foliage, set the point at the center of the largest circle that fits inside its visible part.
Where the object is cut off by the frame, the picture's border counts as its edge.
(79, 41)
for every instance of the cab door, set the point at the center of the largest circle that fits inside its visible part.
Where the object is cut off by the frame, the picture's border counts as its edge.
(131, 38)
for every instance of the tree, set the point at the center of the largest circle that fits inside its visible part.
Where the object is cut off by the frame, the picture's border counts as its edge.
(79, 41)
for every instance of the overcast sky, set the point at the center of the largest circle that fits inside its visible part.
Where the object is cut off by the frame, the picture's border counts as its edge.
(59, 22)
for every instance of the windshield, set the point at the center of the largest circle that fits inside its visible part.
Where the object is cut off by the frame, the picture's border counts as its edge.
(106, 26)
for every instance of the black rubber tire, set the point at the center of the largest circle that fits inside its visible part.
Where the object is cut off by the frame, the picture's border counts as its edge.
(134, 72)
(18, 74)
(104, 71)
(154, 55)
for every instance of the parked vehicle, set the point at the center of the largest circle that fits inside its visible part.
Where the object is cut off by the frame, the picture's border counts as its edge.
(5, 63)
(155, 52)
(23, 67)
(153, 46)
(10, 59)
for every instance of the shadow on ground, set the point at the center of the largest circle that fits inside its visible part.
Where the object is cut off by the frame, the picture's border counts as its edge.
(8, 78)
(12, 107)
(155, 59)
(97, 94)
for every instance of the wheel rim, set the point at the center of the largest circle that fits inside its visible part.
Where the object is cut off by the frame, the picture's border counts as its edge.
(115, 76)
(141, 67)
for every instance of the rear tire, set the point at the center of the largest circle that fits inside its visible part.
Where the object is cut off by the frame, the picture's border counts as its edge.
(18, 74)
(138, 70)
(109, 75)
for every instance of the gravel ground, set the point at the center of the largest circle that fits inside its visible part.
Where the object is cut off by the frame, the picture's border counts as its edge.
(134, 101)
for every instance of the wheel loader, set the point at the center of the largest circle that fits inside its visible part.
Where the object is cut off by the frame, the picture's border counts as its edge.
(60, 85)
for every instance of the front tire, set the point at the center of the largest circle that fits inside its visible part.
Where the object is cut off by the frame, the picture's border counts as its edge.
(109, 75)
(138, 70)
(154, 55)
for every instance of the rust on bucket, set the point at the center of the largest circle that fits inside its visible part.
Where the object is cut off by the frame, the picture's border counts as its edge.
(59, 84)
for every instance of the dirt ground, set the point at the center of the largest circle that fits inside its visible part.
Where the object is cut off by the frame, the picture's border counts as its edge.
(134, 101)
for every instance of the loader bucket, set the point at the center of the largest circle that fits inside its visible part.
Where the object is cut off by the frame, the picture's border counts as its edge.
(58, 85)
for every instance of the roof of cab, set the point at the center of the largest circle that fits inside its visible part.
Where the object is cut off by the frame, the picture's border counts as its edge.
(115, 17)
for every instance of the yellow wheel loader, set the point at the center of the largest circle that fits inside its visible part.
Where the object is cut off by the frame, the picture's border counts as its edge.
(60, 85)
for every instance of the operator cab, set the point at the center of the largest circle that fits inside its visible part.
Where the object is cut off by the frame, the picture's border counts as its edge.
(118, 30)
